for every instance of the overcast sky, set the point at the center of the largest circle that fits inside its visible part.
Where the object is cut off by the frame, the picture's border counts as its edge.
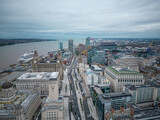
(79, 18)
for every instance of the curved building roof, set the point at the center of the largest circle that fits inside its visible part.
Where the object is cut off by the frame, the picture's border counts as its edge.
(7, 85)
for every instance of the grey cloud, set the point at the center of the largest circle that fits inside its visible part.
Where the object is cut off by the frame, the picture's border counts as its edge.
(130, 17)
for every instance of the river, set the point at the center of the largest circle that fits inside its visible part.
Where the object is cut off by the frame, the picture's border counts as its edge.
(9, 54)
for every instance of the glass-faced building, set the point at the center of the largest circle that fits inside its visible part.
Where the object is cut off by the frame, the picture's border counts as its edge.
(70, 45)
(87, 42)
(61, 46)
(109, 101)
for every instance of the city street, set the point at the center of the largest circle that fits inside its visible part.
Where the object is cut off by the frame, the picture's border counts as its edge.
(73, 104)
(86, 93)
(65, 92)
(80, 103)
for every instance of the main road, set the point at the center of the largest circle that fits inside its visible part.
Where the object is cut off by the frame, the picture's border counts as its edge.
(79, 102)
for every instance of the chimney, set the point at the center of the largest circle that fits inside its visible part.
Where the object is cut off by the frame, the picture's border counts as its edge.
(112, 110)
(122, 109)
(132, 112)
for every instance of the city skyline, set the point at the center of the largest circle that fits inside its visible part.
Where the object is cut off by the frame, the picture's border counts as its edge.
(79, 19)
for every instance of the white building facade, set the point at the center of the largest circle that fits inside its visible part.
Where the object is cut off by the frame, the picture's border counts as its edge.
(30, 80)
(119, 77)
(53, 105)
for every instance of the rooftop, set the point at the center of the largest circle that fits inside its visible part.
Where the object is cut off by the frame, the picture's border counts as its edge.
(7, 85)
(108, 43)
(106, 97)
(10, 77)
(95, 67)
(153, 113)
(5, 112)
(28, 100)
(119, 115)
(102, 85)
(130, 57)
(135, 87)
(39, 76)
(98, 90)
(22, 99)
(123, 71)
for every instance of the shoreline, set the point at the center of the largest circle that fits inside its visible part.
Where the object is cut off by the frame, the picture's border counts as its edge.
(7, 42)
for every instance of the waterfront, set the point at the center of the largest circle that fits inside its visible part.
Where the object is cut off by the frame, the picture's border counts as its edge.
(10, 54)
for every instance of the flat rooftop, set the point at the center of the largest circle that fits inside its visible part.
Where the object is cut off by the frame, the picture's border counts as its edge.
(106, 97)
(11, 77)
(153, 113)
(135, 87)
(98, 90)
(95, 67)
(39, 76)
(5, 112)
(130, 57)
(123, 71)
(102, 85)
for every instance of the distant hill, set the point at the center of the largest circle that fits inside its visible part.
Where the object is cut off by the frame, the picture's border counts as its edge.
(4, 42)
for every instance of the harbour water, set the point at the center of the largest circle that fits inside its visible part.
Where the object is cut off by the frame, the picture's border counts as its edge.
(10, 54)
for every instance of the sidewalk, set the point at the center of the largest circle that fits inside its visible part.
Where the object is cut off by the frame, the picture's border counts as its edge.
(92, 108)
(79, 96)
(65, 93)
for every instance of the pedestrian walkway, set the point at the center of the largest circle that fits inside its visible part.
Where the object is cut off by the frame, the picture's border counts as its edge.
(79, 96)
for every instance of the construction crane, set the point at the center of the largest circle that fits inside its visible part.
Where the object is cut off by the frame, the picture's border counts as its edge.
(84, 52)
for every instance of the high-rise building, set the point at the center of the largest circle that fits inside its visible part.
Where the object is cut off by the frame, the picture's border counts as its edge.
(70, 45)
(87, 42)
(60, 46)
(102, 47)
(99, 57)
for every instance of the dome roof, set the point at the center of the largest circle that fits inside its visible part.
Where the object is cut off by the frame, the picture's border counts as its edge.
(7, 85)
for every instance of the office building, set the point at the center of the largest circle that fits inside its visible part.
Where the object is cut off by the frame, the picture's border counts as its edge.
(99, 57)
(18, 104)
(60, 46)
(96, 90)
(104, 80)
(105, 88)
(130, 61)
(87, 42)
(103, 46)
(90, 53)
(119, 77)
(81, 47)
(109, 101)
(53, 105)
(143, 93)
(108, 46)
(96, 68)
(70, 45)
(91, 78)
(28, 81)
